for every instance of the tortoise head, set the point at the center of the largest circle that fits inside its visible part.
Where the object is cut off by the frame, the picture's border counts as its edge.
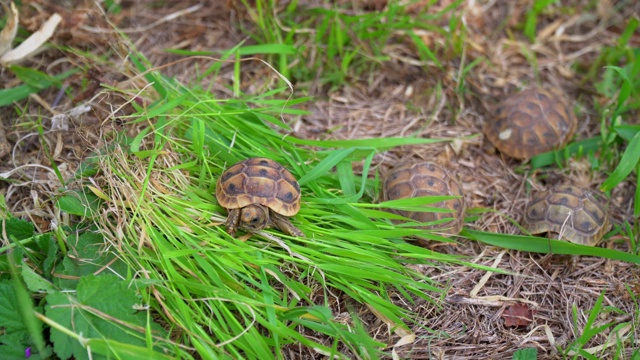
(254, 217)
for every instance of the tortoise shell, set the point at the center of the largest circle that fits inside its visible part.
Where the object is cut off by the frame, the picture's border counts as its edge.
(259, 181)
(426, 179)
(574, 213)
(530, 123)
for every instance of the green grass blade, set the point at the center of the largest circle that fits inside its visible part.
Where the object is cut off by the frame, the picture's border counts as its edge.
(546, 246)
(378, 144)
(557, 156)
(325, 165)
(34, 78)
(625, 90)
(627, 163)
(108, 348)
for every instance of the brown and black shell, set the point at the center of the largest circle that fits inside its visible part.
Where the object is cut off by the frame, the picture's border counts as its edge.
(426, 179)
(259, 181)
(575, 213)
(531, 122)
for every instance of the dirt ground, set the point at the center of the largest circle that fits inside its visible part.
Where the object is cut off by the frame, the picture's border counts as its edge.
(397, 100)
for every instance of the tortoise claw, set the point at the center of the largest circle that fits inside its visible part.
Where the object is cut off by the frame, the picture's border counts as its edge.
(284, 224)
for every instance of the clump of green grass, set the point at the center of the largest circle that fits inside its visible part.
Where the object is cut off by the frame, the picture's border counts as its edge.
(250, 297)
(330, 44)
(142, 266)
(616, 333)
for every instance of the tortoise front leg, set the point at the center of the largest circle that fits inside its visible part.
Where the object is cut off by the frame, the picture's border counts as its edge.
(284, 224)
(232, 221)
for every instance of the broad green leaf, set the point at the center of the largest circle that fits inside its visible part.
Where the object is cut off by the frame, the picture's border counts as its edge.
(16, 347)
(82, 203)
(525, 354)
(49, 249)
(10, 319)
(34, 281)
(82, 314)
(89, 258)
(88, 167)
(19, 229)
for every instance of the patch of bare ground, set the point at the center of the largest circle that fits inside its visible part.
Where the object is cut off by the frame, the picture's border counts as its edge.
(403, 98)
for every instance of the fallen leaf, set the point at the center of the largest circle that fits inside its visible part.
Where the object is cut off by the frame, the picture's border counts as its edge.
(518, 315)
(405, 340)
(10, 29)
(33, 42)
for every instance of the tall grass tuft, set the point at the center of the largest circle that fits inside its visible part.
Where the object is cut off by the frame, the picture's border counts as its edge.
(250, 297)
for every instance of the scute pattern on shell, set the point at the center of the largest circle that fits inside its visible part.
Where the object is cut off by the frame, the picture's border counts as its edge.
(259, 181)
(426, 179)
(576, 213)
(531, 122)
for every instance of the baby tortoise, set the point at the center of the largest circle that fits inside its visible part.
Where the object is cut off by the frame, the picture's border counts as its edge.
(426, 179)
(531, 122)
(259, 193)
(573, 212)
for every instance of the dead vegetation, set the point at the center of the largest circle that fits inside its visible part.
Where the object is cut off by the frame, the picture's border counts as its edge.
(400, 99)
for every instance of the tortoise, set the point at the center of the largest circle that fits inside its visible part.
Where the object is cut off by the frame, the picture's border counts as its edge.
(531, 122)
(426, 179)
(259, 193)
(576, 214)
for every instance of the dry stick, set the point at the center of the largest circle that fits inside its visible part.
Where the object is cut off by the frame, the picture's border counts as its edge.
(494, 300)
(156, 23)
(547, 331)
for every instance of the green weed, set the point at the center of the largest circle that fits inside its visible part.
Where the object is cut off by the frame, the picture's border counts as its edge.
(547, 246)
(331, 44)
(618, 334)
